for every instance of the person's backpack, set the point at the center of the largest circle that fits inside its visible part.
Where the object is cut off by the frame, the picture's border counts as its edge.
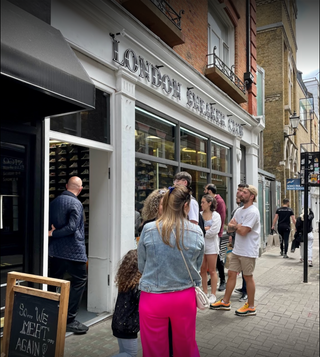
(201, 224)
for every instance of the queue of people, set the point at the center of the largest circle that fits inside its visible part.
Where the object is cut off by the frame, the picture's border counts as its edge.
(156, 293)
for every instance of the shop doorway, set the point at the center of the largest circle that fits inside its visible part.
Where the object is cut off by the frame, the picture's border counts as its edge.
(66, 160)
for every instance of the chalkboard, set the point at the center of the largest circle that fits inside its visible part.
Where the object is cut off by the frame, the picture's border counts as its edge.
(34, 326)
(35, 320)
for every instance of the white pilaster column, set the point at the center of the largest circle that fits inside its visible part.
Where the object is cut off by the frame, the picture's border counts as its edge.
(124, 163)
(252, 161)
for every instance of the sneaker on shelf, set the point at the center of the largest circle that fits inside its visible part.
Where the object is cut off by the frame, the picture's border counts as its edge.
(77, 327)
(62, 166)
(86, 164)
(239, 290)
(62, 159)
(52, 167)
(74, 172)
(245, 310)
(52, 153)
(220, 305)
(62, 173)
(74, 165)
(85, 150)
(86, 156)
(62, 181)
(85, 180)
(85, 195)
(85, 172)
(52, 174)
(52, 160)
(222, 287)
(52, 181)
(86, 202)
(52, 189)
(62, 145)
(73, 151)
(52, 195)
(86, 187)
(62, 152)
(243, 297)
(212, 299)
(74, 157)
(61, 188)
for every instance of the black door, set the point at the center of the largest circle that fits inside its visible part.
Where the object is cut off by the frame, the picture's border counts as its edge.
(16, 205)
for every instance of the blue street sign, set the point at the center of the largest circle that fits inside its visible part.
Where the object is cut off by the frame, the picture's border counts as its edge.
(294, 184)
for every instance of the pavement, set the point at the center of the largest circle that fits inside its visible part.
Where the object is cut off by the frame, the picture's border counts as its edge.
(286, 324)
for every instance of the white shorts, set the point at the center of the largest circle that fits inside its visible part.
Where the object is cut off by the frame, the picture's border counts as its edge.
(211, 246)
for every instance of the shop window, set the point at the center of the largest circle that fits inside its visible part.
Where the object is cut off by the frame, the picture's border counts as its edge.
(150, 176)
(193, 148)
(199, 182)
(93, 124)
(154, 135)
(220, 157)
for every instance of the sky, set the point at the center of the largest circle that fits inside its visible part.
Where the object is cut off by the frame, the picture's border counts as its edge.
(307, 32)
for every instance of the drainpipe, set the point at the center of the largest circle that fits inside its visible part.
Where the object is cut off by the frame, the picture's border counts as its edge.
(248, 77)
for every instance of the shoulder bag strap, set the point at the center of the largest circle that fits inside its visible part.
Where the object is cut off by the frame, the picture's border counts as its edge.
(187, 268)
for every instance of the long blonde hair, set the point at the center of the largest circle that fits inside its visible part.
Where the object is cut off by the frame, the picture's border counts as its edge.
(174, 214)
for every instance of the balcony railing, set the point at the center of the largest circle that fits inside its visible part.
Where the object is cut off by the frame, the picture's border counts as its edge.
(215, 61)
(169, 12)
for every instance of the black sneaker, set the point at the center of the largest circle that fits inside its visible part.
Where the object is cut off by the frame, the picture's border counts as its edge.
(222, 287)
(281, 253)
(244, 297)
(77, 327)
(239, 290)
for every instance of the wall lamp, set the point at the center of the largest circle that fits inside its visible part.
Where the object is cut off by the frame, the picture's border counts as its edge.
(114, 35)
(294, 120)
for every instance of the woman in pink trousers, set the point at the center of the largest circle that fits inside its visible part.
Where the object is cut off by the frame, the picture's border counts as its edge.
(167, 292)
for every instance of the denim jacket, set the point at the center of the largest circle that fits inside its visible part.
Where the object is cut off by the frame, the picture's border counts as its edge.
(162, 267)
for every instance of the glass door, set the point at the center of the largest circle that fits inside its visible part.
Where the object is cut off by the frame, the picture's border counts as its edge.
(12, 210)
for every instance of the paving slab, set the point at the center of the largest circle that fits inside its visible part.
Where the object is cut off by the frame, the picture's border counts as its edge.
(286, 324)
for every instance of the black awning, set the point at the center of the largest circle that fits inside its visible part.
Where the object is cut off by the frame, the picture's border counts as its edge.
(37, 56)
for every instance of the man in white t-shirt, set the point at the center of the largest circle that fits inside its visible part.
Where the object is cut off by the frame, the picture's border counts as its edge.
(246, 224)
(185, 179)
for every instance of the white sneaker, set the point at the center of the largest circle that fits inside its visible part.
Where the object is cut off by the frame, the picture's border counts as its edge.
(212, 299)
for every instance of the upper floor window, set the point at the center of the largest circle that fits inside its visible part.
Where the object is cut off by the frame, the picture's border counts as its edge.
(260, 91)
(220, 34)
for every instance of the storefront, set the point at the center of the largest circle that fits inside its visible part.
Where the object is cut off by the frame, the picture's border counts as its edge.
(164, 117)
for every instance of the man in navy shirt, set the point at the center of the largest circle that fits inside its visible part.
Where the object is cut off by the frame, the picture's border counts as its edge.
(283, 216)
(67, 250)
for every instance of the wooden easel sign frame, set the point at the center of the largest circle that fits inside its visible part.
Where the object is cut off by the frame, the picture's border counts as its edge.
(35, 320)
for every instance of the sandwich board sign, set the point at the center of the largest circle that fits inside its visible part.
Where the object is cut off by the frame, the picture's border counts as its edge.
(35, 320)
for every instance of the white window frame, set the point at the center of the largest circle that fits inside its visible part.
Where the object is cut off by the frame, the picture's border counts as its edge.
(218, 21)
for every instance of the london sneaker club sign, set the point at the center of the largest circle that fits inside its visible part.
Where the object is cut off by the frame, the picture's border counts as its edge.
(171, 87)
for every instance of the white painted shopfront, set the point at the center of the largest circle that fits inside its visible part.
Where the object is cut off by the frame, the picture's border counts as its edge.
(152, 94)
